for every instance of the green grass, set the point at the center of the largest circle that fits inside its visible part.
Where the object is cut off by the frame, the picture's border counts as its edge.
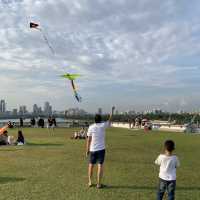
(54, 167)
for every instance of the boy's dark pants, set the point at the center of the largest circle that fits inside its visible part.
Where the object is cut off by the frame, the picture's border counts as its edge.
(169, 186)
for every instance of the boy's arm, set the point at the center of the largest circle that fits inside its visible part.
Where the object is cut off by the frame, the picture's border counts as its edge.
(158, 161)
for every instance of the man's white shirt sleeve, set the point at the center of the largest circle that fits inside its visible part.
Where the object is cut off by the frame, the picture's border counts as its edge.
(107, 124)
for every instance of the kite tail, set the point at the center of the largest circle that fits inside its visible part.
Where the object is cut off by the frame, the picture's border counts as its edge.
(46, 40)
(77, 96)
(73, 86)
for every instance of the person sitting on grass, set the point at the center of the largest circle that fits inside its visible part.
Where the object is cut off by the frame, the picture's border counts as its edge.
(4, 138)
(82, 133)
(20, 139)
(79, 134)
(96, 147)
(75, 135)
(167, 176)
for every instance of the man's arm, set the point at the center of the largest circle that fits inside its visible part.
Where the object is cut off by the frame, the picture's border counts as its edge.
(89, 139)
(111, 115)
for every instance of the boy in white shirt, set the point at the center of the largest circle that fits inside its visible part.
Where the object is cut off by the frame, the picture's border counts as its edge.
(96, 147)
(168, 164)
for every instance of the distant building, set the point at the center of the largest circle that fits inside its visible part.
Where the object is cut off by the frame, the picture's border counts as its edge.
(75, 112)
(100, 111)
(14, 112)
(2, 106)
(153, 111)
(23, 110)
(40, 110)
(37, 110)
(131, 112)
(47, 108)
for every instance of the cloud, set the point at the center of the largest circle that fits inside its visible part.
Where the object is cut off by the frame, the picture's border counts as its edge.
(124, 45)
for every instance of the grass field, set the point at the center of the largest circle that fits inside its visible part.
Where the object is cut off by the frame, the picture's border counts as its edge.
(53, 167)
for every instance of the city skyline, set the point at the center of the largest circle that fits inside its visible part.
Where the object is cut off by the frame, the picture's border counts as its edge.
(131, 54)
(37, 110)
(47, 109)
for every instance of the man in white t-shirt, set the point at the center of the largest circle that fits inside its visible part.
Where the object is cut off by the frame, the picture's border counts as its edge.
(167, 175)
(96, 147)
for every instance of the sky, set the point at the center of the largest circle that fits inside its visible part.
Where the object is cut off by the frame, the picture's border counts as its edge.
(131, 54)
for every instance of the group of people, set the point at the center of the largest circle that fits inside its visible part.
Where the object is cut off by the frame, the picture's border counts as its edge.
(51, 122)
(95, 149)
(138, 123)
(6, 139)
(82, 134)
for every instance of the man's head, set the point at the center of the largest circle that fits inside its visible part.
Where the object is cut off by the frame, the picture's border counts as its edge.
(169, 145)
(98, 118)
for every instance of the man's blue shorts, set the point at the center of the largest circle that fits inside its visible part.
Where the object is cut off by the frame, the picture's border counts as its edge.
(97, 157)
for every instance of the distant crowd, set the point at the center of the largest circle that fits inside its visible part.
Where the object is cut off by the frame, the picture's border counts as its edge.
(34, 122)
(51, 122)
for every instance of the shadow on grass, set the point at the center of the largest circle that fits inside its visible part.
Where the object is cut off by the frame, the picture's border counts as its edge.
(12, 149)
(132, 187)
(132, 135)
(4, 180)
(188, 188)
(43, 144)
(149, 188)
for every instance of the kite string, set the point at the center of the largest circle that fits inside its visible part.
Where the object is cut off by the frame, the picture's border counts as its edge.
(46, 40)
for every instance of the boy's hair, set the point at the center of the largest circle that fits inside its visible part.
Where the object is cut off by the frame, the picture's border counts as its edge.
(97, 118)
(169, 145)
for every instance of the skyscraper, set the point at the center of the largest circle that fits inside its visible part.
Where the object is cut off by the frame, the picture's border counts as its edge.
(2, 106)
(47, 108)
(14, 112)
(22, 110)
(35, 109)
(100, 111)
